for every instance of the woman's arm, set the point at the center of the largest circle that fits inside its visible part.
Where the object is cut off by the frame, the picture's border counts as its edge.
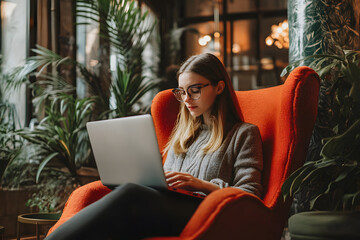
(248, 161)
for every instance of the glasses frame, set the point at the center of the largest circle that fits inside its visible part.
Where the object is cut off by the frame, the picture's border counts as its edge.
(187, 91)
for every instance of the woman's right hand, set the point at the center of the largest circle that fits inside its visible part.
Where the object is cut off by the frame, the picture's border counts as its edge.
(188, 182)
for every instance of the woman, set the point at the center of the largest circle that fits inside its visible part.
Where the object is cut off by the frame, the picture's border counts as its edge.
(209, 149)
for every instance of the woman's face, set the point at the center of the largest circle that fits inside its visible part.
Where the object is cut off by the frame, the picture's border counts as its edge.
(203, 105)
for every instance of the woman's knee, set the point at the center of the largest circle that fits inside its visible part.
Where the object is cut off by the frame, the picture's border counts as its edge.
(131, 194)
(130, 189)
(89, 193)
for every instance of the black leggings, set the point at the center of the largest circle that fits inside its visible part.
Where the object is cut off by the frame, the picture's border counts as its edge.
(130, 211)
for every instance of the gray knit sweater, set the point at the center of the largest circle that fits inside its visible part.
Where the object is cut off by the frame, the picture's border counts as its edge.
(237, 163)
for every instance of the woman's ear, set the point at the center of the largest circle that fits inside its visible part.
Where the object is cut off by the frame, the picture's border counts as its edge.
(220, 87)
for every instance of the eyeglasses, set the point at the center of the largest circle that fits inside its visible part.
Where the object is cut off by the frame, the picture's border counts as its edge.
(193, 91)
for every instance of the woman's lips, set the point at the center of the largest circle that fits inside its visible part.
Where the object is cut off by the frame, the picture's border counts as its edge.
(191, 107)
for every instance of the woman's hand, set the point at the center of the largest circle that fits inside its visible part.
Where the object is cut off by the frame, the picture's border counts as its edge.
(189, 182)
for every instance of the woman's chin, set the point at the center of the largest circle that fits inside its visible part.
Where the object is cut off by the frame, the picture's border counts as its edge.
(195, 114)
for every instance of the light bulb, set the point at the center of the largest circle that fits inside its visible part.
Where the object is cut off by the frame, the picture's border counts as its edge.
(202, 42)
(269, 41)
(207, 38)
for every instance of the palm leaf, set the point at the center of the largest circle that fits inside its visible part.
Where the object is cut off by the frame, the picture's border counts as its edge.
(43, 164)
(44, 58)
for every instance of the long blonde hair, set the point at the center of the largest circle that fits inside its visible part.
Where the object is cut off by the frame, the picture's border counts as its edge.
(225, 111)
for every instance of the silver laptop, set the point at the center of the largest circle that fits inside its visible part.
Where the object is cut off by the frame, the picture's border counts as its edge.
(126, 151)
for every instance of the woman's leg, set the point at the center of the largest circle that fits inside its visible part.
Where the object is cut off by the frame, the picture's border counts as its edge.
(79, 199)
(130, 212)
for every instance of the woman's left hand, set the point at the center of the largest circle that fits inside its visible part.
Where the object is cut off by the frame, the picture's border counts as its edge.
(188, 182)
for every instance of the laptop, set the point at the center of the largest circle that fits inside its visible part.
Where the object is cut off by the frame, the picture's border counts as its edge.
(126, 151)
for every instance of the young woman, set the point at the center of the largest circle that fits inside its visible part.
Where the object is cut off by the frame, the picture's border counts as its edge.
(209, 149)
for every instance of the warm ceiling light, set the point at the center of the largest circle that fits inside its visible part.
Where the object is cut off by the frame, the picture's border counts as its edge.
(236, 48)
(285, 25)
(269, 41)
(279, 35)
(202, 41)
(207, 38)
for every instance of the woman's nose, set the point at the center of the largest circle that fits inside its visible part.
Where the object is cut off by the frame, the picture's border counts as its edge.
(186, 97)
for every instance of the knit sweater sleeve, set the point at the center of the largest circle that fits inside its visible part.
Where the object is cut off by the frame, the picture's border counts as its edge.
(248, 161)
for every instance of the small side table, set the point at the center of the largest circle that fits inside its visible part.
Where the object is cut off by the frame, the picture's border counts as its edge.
(37, 219)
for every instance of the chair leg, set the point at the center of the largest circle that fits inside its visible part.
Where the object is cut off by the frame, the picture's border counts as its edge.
(37, 232)
(18, 231)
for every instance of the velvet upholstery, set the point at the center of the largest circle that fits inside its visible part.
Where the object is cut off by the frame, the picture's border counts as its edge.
(285, 115)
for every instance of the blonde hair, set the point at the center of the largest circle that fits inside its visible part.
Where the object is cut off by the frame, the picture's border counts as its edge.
(224, 114)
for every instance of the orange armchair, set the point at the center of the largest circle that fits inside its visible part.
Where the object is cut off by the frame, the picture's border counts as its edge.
(285, 115)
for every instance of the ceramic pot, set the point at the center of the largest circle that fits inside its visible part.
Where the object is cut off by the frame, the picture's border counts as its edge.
(321, 225)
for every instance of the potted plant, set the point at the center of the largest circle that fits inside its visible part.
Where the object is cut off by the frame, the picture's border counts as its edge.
(10, 150)
(9, 144)
(60, 139)
(334, 177)
(61, 134)
(54, 151)
(127, 30)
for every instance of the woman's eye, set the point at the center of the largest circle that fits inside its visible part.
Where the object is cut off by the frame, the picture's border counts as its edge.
(195, 90)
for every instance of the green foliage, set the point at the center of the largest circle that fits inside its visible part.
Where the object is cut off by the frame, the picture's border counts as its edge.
(22, 170)
(128, 89)
(9, 145)
(127, 29)
(60, 140)
(53, 188)
(42, 60)
(62, 135)
(48, 196)
(10, 148)
(335, 176)
(123, 24)
(49, 86)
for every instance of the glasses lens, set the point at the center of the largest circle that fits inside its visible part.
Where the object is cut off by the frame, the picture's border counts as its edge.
(195, 92)
(178, 93)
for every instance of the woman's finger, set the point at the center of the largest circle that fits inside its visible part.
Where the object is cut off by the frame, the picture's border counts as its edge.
(179, 184)
(170, 173)
(177, 178)
(173, 174)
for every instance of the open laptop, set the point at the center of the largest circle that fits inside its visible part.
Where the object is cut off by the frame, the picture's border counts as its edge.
(126, 151)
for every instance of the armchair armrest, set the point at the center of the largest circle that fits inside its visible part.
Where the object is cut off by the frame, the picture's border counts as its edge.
(79, 199)
(230, 210)
(227, 211)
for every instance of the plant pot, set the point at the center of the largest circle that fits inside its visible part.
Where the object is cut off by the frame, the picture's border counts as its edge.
(13, 203)
(321, 225)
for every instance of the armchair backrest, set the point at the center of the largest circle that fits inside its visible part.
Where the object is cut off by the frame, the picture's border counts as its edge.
(285, 115)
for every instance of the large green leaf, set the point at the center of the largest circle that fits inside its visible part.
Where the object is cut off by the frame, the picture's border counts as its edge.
(43, 164)
(338, 145)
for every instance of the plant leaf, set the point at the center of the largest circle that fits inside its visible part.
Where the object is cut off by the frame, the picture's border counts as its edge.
(43, 164)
